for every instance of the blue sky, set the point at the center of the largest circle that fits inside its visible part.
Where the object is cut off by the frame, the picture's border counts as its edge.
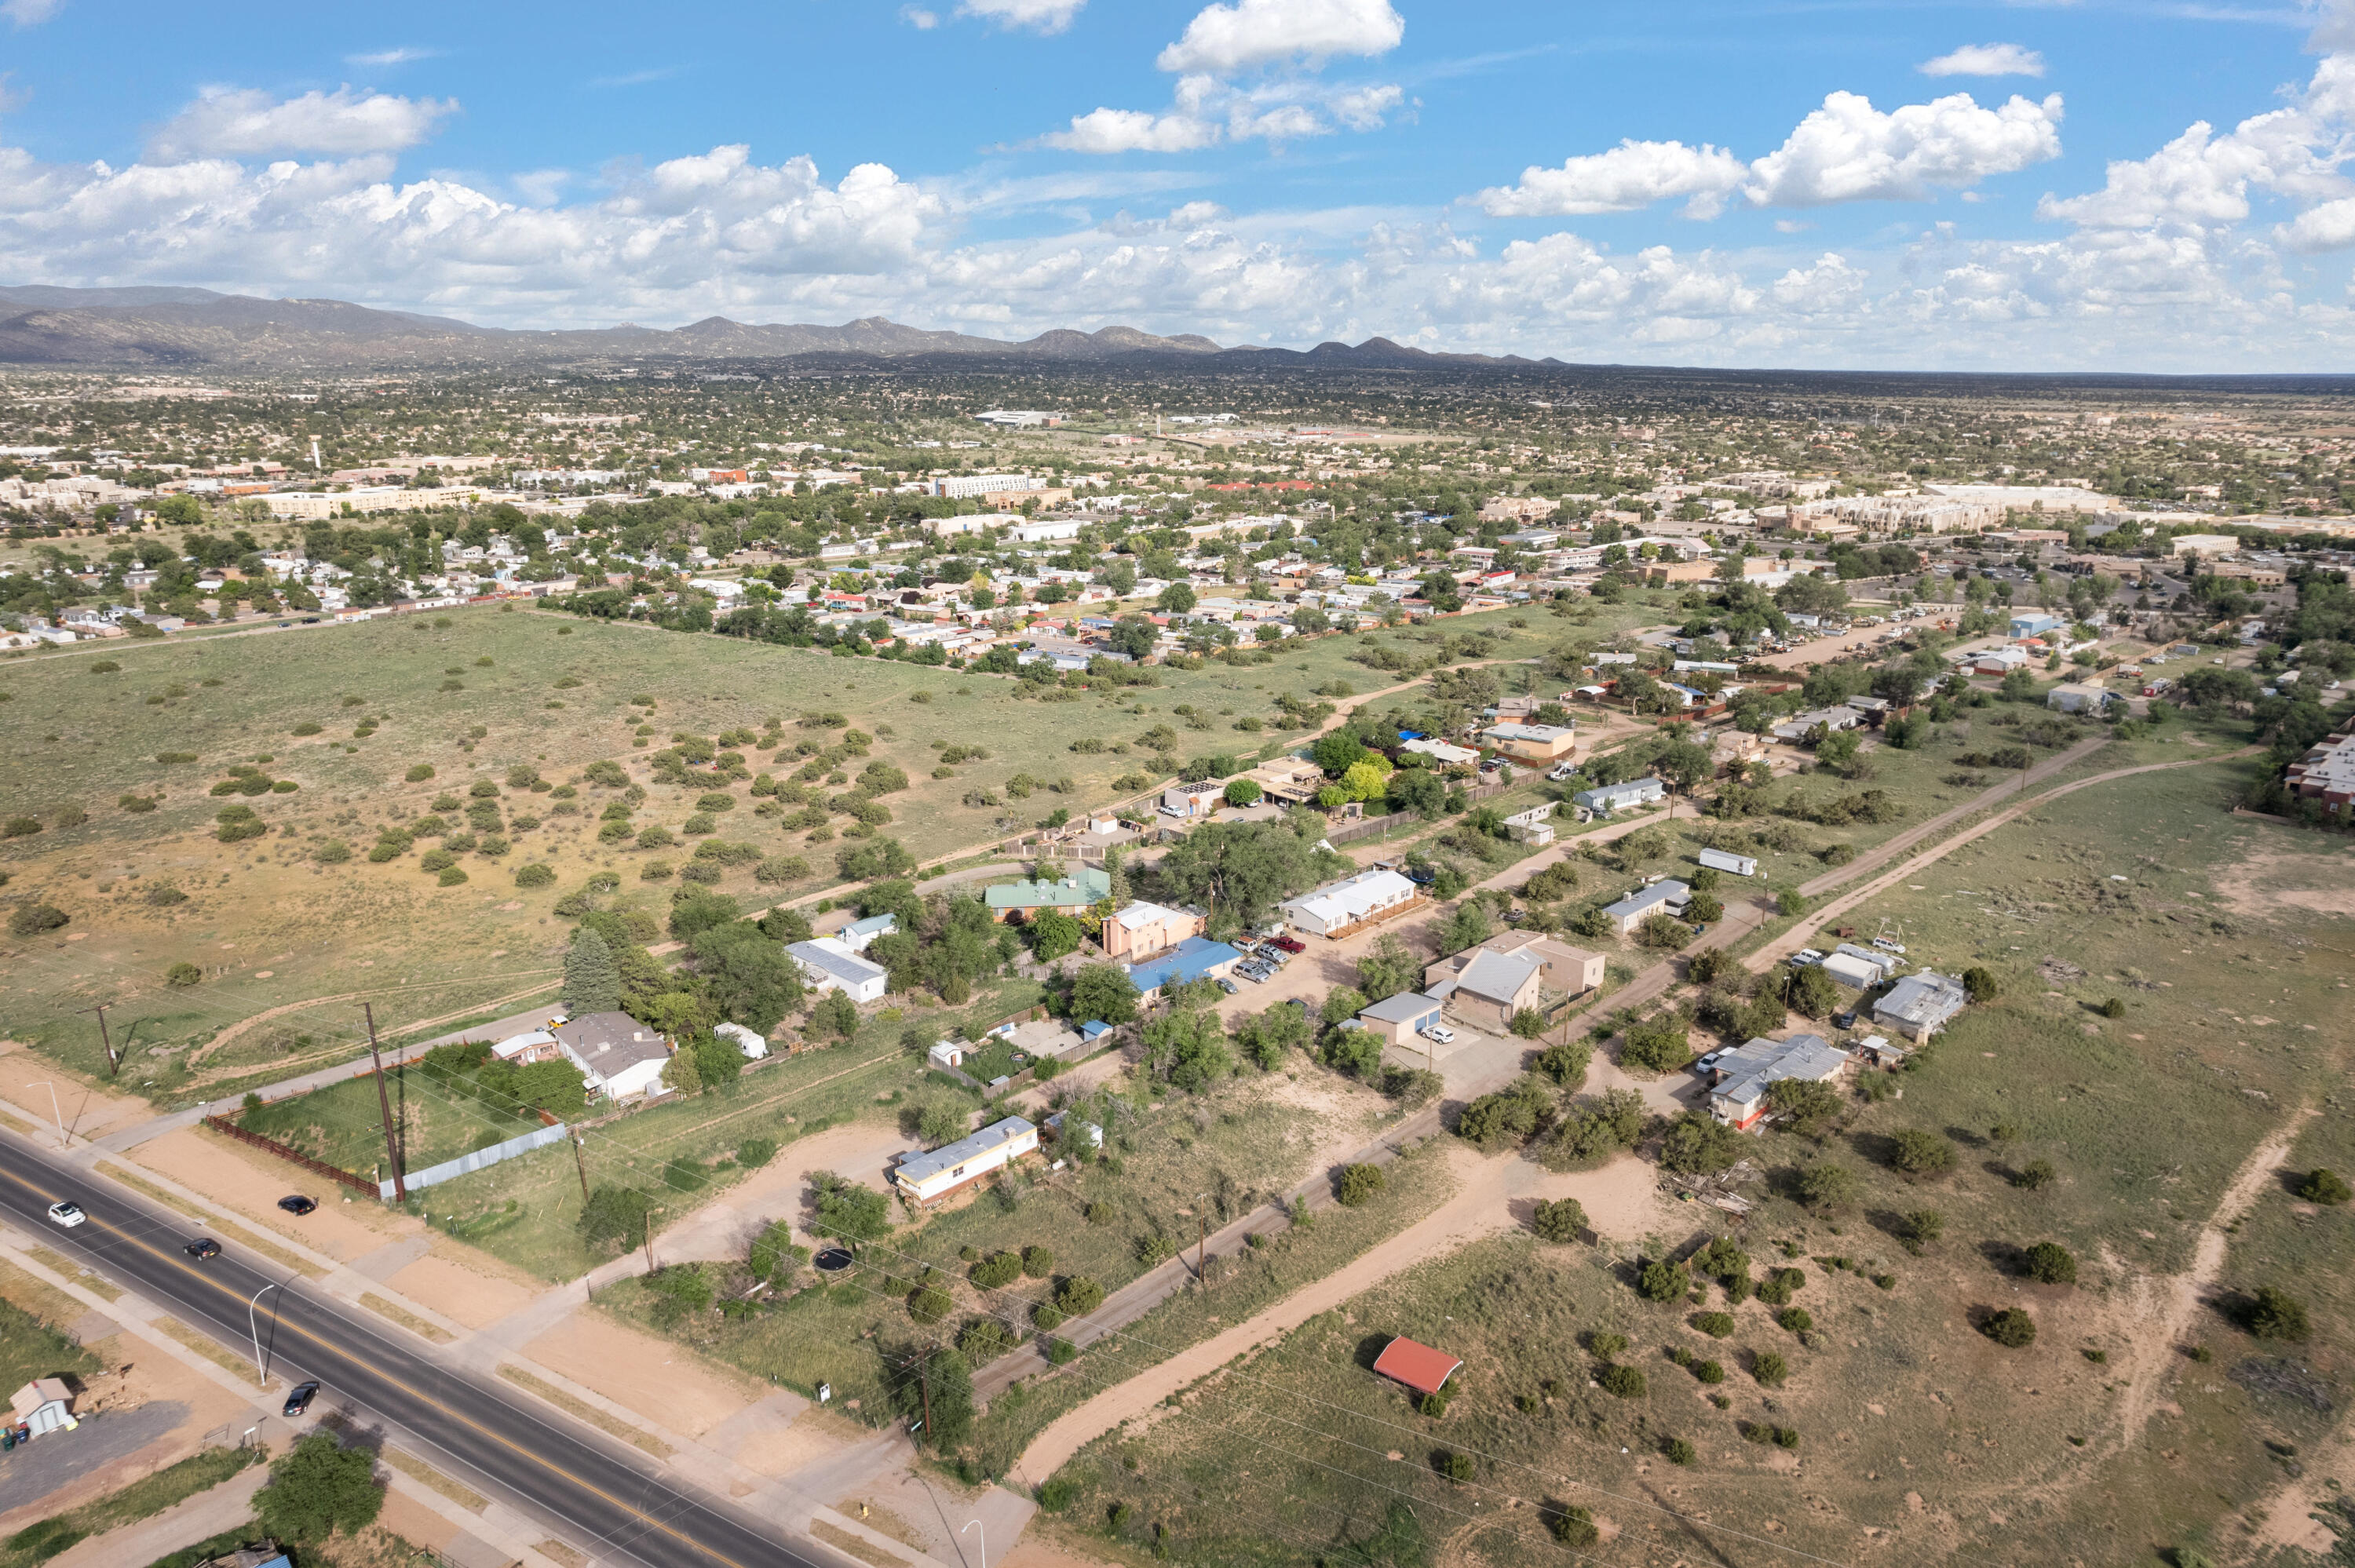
(1810, 183)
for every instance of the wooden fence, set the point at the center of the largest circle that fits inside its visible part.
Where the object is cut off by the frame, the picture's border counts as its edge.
(292, 1156)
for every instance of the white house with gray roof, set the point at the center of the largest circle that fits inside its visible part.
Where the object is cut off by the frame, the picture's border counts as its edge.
(1668, 898)
(831, 964)
(929, 1178)
(1742, 1075)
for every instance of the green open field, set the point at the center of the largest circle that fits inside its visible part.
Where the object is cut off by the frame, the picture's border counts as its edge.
(276, 932)
(2229, 940)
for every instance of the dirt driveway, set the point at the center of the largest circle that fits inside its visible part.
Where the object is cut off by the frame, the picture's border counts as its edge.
(1492, 1196)
(725, 1227)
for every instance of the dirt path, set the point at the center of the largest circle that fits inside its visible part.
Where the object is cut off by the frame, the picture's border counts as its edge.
(230, 1035)
(2162, 1307)
(1875, 858)
(1797, 937)
(1487, 1200)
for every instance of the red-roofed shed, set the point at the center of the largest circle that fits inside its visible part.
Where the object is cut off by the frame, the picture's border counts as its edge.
(1419, 1367)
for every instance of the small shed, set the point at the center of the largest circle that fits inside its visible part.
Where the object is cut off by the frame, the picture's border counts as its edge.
(1420, 1368)
(948, 1055)
(46, 1406)
(747, 1040)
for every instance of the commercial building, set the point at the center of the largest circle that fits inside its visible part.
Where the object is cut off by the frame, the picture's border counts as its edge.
(1195, 958)
(2204, 544)
(952, 1167)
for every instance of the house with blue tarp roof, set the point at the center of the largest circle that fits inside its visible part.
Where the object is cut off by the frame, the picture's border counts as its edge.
(1196, 957)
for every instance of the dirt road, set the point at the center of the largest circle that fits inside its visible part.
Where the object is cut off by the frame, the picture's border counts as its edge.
(1492, 1196)
(1797, 937)
(1873, 859)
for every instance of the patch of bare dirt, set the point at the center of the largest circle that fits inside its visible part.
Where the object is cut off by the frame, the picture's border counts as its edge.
(660, 1380)
(2259, 883)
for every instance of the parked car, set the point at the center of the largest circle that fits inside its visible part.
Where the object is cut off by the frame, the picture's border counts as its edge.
(202, 1248)
(1706, 1062)
(68, 1213)
(1230, 987)
(1887, 946)
(1805, 957)
(1439, 1034)
(298, 1399)
(296, 1204)
(1290, 944)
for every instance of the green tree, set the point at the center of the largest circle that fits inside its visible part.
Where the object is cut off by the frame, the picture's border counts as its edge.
(848, 1212)
(774, 1256)
(1828, 1185)
(1103, 994)
(1657, 1045)
(1918, 1151)
(1243, 793)
(1698, 1144)
(1388, 969)
(937, 1379)
(2049, 1262)
(1980, 983)
(320, 1487)
(555, 1086)
(747, 977)
(1467, 926)
(1416, 790)
(1188, 1048)
(1561, 1221)
(2275, 1314)
(1565, 1062)
(1804, 1107)
(1813, 993)
(1360, 1185)
(2013, 1328)
(613, 1220)
(835, 1015)
(1664, 1281)
(1054, 934)
(2323, 1185)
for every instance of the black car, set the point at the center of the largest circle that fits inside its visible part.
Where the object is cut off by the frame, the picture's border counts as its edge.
(295, 1204)
(202, 1247)
(298, 1398)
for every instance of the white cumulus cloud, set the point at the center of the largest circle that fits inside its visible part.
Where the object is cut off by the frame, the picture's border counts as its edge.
(30, 13)
(1631, 175)
(1040, 15)
(1850, 151)
(1225, 39)
(1985, 59)
(1132, 130)
(249, 122)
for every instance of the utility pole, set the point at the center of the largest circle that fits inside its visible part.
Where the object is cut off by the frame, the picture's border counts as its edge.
(384, 1107)
(113, 1065)
(580, 1167)
(650, 1237)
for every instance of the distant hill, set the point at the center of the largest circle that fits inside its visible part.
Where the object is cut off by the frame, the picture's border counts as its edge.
(148, 328)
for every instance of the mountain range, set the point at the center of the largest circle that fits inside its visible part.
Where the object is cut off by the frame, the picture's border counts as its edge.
(161, 328)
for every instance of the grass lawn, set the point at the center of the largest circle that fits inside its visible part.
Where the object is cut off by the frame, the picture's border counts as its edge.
(143, 1498)
(30, 1348)
(342, 1123)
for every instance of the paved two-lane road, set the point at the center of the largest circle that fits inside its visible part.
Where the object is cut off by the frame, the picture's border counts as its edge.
(602, 1495)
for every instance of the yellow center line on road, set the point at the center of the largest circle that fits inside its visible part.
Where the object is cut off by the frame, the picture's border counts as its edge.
(413, 1393)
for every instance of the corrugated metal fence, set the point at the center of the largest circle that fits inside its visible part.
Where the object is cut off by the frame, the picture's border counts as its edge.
(480, 1159)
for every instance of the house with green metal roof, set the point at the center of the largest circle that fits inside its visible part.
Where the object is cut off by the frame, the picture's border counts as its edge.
(1088, 885)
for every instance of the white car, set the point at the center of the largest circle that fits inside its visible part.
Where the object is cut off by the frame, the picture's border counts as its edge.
(1887, 946)
(1805, 957)
(68, 1213)
(1439, 1034)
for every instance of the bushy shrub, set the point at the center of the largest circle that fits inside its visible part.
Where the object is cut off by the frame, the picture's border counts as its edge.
(2324, 1185)
(1360, 1185)
(1560, 1221)
(1770, 1369)
(997, 1270)
(1716, 1325)
(180, 975)
(1078, 1296)
(1664, 1281)
(928, 1304)
(2049, 1262)
(1622, 1382)
(1574, 1528)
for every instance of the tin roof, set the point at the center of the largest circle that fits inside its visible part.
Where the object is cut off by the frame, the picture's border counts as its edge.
(1420, 1368)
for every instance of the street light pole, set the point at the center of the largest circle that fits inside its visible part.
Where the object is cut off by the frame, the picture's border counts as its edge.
(975, 1524)
(253, 1322)
(54, 1111)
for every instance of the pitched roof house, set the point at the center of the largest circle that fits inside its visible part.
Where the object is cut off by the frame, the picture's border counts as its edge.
(1081, 888)
(831, 964)
(1668, 898)
(621, 1058)
(953, 1166)
(1489, 984)
(1741, 1075)
(1345, 902)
